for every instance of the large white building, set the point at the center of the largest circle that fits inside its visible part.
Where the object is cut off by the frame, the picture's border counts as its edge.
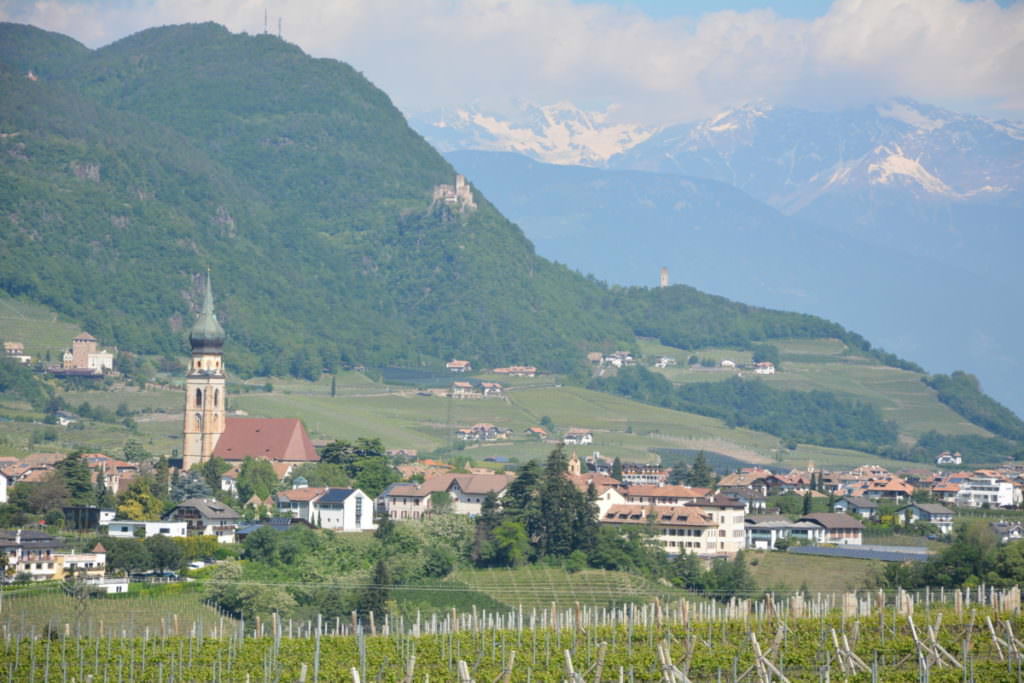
(982, 488)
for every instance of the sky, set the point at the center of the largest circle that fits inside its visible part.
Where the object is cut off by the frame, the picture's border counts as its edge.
(652, 62)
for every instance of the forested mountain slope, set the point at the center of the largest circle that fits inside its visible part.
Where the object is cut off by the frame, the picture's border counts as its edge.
(125, 172)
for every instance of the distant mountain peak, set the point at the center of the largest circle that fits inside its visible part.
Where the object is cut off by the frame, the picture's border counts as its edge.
(559, 133)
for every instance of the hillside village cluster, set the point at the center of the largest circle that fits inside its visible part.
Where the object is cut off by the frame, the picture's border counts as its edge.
(710, 522)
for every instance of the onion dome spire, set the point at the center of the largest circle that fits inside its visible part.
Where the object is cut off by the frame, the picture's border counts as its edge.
(207, 334)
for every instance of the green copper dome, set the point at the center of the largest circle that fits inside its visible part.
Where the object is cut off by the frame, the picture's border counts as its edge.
(207, 335)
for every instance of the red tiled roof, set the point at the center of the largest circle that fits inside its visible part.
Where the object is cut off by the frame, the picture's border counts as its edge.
(663, 515)
(305, 493)
(280, 439)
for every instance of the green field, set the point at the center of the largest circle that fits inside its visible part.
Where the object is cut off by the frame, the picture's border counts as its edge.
(778, 571)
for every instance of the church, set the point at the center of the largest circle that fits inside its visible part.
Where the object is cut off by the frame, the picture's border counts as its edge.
(208, 431)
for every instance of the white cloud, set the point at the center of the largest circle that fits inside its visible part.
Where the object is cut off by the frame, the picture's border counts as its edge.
(432, 53)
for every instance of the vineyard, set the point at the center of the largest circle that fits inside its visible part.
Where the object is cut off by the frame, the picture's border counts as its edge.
(969, 635)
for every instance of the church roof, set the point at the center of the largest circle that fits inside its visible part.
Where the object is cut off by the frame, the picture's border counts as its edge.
(207, 334)
(275, 439)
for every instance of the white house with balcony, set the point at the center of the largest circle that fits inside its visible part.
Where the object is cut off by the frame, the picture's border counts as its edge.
(987, 489)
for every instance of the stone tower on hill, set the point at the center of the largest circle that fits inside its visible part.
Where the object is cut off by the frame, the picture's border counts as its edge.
(204, 386)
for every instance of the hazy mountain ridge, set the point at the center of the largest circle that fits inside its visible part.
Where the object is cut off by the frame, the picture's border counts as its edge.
(623, 226)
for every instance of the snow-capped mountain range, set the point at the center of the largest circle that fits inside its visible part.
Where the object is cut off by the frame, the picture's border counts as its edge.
(558, 133)
(791, 157)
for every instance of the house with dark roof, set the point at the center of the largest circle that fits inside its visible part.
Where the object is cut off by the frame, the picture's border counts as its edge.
(840, 528)
(274, 523)
(932, 513)
(206, 517)
(29, 553)
(328, 507)
(764, 531)
(859, 506)
(274, 439)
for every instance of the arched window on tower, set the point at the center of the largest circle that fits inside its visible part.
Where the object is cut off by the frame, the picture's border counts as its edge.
(216, 398)
(199, 422)
(199, 398)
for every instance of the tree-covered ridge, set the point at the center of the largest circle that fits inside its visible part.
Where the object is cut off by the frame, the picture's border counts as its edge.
(817, 417)
(962, 392)
(131, 169)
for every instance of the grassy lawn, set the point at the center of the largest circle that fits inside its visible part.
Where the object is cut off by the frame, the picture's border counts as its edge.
(539, 586)
(782, 571)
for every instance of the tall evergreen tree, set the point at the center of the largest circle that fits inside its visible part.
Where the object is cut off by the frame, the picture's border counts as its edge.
(77, 478)
(701, 475)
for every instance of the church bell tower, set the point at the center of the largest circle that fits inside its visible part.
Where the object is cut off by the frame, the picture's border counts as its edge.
(204, 386)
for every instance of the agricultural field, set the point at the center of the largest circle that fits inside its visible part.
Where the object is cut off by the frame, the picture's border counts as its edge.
(666, 642)
(778, 571)
(539, 586)
(826, 365)
(36, 326)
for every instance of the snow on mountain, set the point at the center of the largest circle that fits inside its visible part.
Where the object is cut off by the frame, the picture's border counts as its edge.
(559, 133)
(789, 157)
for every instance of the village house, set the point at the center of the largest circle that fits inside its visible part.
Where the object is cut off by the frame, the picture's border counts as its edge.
(29, 553)
(938, 515)
(605, 488)
(482, 431)
(988, 488)
(328, 507)
(946, 492)
(764, 368)
(858, 506)
(466, 493)
(537, 432)
(676, 529)
(752, 478)
(647, 494)
(464, 390)
(1007, 531)
(578, 437)
(763, 532)
(665, 362)
(753, 501)
(458, 366)
(88, 565)
(618, 359)
(134, 528)
(728, 515)
(206, 517)
(728, 363)
(635, 474)
(490, 389)
(839, 528)
(947, 458)
(16, 351)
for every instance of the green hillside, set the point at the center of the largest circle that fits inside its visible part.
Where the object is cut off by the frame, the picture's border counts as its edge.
(131, 169)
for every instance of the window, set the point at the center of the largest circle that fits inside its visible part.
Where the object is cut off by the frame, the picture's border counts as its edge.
(199, 398)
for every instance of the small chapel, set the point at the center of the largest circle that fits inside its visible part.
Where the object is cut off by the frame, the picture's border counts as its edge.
(208, 431)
